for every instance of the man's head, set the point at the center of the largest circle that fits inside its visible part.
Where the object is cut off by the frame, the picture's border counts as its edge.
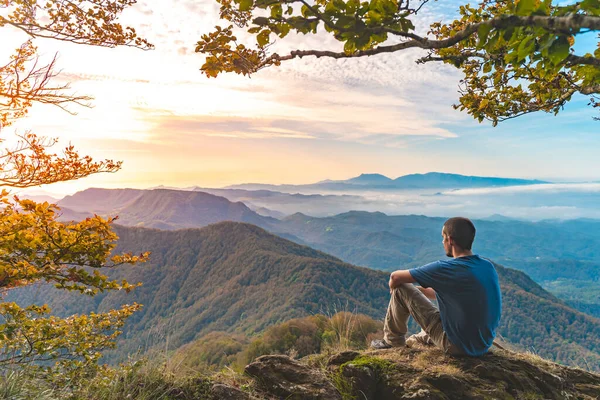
(458, 234)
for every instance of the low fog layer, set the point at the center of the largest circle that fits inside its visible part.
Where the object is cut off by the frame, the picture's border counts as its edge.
(534, 202)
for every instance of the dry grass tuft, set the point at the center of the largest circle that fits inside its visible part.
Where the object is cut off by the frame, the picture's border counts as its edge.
(435, 361)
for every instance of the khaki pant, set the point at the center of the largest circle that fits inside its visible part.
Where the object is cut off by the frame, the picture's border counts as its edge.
(407, 300)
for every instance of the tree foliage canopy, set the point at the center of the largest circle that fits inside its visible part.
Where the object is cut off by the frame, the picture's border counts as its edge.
(517, 56)
(34, 246)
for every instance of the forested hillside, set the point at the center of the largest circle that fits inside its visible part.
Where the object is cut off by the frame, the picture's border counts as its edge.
(228, 276)
(237, 277)
(562, 256)
(373, 239)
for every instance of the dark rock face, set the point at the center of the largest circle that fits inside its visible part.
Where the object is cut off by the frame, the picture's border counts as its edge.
(281, 376)
(424, 375)
(226, 392)
(342, 358)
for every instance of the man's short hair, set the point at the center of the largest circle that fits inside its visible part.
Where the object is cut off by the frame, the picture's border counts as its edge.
(461, 230)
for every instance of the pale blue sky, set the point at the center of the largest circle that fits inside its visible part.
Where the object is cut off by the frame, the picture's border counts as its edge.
(306, 121)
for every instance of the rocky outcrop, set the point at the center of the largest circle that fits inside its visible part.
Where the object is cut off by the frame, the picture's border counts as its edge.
(425, 374)
(281, 376)
(222, 392)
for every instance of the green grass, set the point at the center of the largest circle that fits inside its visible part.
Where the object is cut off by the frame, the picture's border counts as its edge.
(139, 380)
(17, 385)
(379, 365)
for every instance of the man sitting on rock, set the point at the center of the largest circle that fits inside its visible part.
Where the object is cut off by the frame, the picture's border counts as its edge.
(466, 288)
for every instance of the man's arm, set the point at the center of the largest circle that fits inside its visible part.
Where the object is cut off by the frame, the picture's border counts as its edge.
(404, 276)
(399, 277)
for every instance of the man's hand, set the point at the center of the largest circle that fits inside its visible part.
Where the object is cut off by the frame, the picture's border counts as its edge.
(399, 277)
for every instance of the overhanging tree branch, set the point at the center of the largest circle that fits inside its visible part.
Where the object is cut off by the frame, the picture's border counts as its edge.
(515, 56)
(572, 23)
(571, 59)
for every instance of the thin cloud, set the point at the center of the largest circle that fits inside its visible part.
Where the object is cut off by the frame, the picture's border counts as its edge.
(238, 127)
(541, 188)
(261, 128)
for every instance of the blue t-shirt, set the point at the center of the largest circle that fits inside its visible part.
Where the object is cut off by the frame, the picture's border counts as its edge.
(469, 298)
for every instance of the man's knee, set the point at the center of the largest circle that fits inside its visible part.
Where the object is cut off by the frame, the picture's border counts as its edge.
(404, 287)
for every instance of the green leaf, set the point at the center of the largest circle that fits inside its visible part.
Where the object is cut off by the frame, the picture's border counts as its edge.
(590, 5)
(276, 11)
(525, 7)
(545, 44)
(483, 104)
(350, 46)
(487, 67)
(260, 21)
(389, 7)
(246, 5)
(306, 11)
(379, 38)
(345, 22)
(508, 33)
(352, 6)
(406, 25)
(542, 9)
(559, 50)
(493, 40)
(263, 38)
(374, 5)
(482, 34)
(284, 29)
(374, 17)
(362, 42)
(526, 46)
(331, 8)
(340, 5)
(511, 57)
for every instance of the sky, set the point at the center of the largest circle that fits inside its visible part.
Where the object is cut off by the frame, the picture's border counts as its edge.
(306, 121)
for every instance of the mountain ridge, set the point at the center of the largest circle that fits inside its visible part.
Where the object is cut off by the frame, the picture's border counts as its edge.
(430, 180)
(161, 208)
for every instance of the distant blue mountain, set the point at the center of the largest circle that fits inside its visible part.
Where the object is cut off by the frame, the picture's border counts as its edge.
(370, 179)
(443, 180)
(430, 180)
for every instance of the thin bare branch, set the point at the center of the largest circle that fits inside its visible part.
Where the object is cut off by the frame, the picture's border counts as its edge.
(569, 23)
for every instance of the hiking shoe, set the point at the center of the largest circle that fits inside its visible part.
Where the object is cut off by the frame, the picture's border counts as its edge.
(379, 344)
(421, 338)
(411, 341)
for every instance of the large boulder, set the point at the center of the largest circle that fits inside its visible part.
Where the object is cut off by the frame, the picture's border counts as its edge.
(425, 374)
(281, 376)
(226, 392)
